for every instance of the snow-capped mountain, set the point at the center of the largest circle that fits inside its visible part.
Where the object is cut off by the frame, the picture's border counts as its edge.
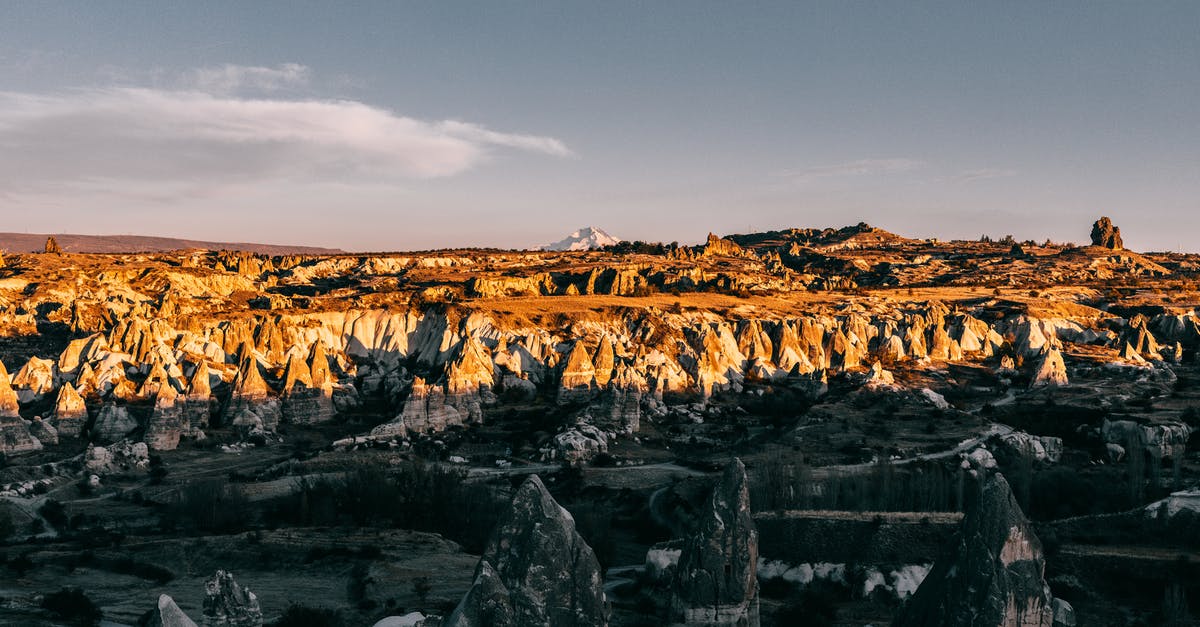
(584, 239)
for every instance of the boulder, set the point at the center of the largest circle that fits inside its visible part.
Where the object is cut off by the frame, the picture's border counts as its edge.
(535, 570)
(716, 580)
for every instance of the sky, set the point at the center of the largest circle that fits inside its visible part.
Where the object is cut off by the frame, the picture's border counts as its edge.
(407, 126)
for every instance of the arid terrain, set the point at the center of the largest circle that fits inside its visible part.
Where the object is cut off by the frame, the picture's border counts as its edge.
(800, 427)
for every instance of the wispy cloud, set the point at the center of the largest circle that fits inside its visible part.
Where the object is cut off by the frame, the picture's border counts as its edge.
(984, 173)
(138, 139)
(229, 78)
(861, 167)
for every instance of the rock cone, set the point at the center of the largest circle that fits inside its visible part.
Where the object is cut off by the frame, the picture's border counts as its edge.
(535, 570)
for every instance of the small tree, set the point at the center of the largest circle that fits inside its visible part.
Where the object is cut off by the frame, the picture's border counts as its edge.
(421, 587)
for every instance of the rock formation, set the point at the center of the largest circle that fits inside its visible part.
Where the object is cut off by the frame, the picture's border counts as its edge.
(252, 395)
(425, 410)
(578, 376)
(994, 574)
(70, 412)
(716, 581)
(1106, 235)
(227, 604)
(43, 431)
(167, 422)
(308, 388)
(1051, 370)
(535, 570)
(113, 423)
(52, 247)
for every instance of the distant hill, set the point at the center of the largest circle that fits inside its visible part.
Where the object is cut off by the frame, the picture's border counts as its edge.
(586, 238)
(71, 243)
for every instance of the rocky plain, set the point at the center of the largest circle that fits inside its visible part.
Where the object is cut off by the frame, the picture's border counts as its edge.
(799, 427)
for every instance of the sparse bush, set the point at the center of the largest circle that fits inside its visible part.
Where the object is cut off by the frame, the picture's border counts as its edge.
(54, 513)
(210, 506)
(304, 616)
(421, 587)
(72, 605)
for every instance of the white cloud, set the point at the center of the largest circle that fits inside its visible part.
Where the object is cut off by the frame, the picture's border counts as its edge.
(228, 78)
(984, 173)
(861, 167)
(140, 141)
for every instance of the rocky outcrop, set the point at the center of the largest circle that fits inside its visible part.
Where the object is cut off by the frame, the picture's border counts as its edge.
(252, 395)
(10, 405)
(43, 431)
(14, 431)
(535, 570)
(167, 614)
(70, 412)
(15, 436)
(124, 456)
(227, 604)
(578, 379)
(426, 409)
(1051, 370)
(717, 247)
(308, 388)
(34, 380)
(579, 443)
(1106, 235)
(113, 423)
(167, 422)
(993, 575)
(198, 402)
(716, 581)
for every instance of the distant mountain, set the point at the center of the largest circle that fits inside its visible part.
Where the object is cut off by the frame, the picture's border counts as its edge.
(586, 238)
(36, 242)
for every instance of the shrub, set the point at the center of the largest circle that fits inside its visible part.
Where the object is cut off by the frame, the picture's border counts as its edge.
(304, 616)
(72, 605)
(210, 506)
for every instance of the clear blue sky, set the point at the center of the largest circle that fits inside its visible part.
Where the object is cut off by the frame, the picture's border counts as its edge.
(390, 125)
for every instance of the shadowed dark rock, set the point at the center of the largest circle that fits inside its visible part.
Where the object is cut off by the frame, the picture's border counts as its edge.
(535, 570)
(716, 582)
(994, 575)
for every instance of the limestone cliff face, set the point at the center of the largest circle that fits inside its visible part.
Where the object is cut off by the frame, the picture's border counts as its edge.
(716, 581)
(535, 570)
(993, 575)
